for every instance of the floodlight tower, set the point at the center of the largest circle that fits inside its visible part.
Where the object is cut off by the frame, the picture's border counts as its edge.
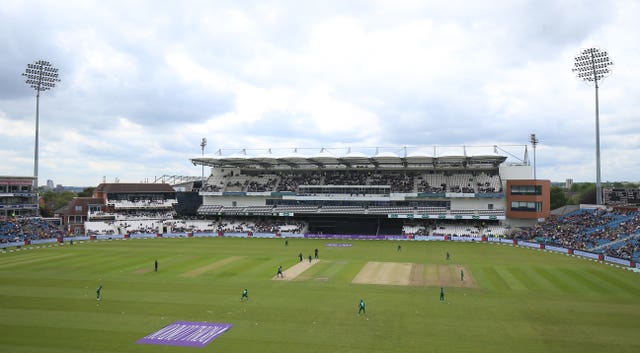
(592, 65)
(203, 144)
(41, 76)
(534, 143)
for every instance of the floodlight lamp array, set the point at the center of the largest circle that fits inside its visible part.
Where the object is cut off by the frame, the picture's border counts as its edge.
(41, 76)
(592, 65)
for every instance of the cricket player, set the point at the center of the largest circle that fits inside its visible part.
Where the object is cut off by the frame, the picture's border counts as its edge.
(361, 307)
(441, 294)
(399, 248)
(448, 256)
(155, 266)
(245, 295)
(280, 274)
(316, 253)
(461, 275)
(98, 292)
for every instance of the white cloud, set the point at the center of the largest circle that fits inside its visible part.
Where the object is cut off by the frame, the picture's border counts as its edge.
(143, 82)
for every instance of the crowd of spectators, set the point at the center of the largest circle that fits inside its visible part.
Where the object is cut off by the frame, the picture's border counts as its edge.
(148, 227)
(240, 225)
(404, 181)
(423, 186)
(262, 185)
(471, 228)
(600, 230)
(212, 188)
(398, 181)
(629, 249)
(290, 181)
(27, 228)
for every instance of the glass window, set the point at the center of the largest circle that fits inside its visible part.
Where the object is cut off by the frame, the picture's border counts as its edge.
(526, 189)
(526, 206)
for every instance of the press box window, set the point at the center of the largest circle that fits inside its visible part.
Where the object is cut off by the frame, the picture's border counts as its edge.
(526, 190)
(526, 206)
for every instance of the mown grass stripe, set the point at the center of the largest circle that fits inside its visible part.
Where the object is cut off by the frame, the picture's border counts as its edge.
(558, 283)
(211, 266)
(32, 259)
(531, 278)
(512, 281)
(628, 288)
(592, 285)
(497, 282)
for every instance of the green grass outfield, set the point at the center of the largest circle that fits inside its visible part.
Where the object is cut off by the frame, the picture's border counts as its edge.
(526, 300)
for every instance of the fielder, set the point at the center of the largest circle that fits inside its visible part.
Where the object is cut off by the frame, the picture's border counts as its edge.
(441, 294)
(245, 295)
(98, 292)
(280, 274)
(361, 307)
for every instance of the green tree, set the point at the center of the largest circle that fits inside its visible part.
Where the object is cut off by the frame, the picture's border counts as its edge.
(87, 192)
(580, 187)
(54, 200)
(558, 197)
(588, 194)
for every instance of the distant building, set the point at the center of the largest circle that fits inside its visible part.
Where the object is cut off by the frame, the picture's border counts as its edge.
(77, 212)
(568, 184)
(49, 184)
(120, 208)
(621, 197)
(17, 197)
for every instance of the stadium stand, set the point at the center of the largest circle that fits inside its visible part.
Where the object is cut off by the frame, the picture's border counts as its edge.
(27, 228)
(602, 231)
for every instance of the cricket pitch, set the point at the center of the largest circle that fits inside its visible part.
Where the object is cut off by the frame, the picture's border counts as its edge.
(294, 271)
(410, 274)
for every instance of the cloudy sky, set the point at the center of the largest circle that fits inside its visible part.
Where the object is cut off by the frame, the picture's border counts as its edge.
(142, 82)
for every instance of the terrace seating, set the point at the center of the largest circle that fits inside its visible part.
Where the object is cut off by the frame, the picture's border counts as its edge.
(100, 227)
(296, 209)
(431, 210)
(388, 210)
(587, 230)
(27, 229)
(341, 209)
(209, 209)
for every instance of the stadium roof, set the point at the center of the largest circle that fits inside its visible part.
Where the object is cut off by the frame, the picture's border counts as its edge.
(133, 188)
(402, 156)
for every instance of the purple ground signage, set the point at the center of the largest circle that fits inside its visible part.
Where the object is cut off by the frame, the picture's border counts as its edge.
(184, 333)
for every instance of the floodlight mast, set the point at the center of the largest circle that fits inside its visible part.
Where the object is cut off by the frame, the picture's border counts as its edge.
(593, 65)
(534, 143)
(203, 144)
(41, 76)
